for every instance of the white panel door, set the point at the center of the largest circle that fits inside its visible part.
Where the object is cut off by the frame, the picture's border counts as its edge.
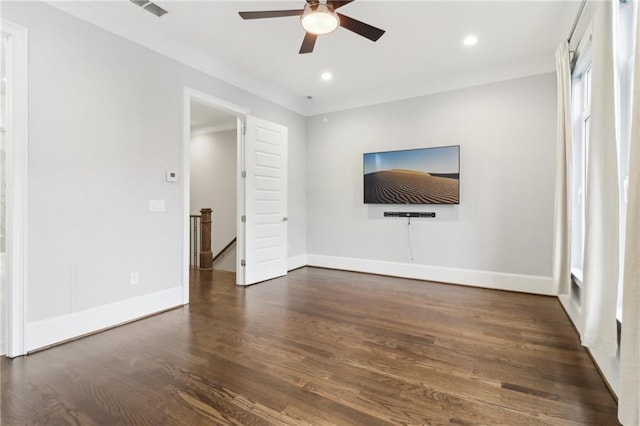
(265, 157)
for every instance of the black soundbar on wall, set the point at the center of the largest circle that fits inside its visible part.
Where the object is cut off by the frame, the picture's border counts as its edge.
(409, 214)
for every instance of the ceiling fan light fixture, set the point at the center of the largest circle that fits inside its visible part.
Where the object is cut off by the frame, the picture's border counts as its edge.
(319, 20)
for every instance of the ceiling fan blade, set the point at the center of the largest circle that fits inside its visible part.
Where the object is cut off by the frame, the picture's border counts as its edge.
(335, 4)
(270, 14)
(360, 28)
(308, 43)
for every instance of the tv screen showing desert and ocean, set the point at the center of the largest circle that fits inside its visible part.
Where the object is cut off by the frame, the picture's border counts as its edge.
(413, 176)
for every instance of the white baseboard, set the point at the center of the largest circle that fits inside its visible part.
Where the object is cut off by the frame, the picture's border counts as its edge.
(296, 262)
(486, 279)
(608, 365)
(4, 282)
(54, 330)
(572, 310)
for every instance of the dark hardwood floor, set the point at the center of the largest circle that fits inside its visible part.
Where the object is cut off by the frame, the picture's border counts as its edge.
(320, 347)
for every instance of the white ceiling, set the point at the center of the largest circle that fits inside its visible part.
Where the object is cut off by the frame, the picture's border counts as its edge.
(420, 53)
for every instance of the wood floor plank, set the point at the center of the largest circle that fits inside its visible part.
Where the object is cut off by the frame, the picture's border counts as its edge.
(320, 347)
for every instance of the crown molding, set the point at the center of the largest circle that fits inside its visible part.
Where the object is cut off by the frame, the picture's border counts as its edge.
(438, 84)
(102, 16)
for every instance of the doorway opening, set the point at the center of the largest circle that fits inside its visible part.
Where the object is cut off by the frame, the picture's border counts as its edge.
(212, 158)
(213, 174)
(261, 189)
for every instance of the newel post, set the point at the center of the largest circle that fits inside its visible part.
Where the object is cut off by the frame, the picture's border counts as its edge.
(206, 256)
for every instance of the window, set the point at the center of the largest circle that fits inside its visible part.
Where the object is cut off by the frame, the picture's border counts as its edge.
(581, 118)
(624, 69)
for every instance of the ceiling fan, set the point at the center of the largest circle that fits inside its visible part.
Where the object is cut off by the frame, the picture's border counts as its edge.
(320, 17)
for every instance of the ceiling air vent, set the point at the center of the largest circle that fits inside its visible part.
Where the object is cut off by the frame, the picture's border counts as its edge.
(150, 7)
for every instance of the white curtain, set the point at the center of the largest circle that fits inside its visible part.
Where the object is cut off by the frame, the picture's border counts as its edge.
(601, 250)
(629, 392)
(562, 211)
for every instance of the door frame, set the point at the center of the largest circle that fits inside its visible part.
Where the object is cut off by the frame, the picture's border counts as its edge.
(17, 189)
(241, 113)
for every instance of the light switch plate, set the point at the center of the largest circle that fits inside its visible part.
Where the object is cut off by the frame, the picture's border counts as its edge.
(156, 205)
(172, 177)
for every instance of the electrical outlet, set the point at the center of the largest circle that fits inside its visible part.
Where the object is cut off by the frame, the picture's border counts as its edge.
(134, 278)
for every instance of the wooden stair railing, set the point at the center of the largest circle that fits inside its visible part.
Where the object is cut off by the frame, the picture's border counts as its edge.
(221, 252)
(194, 219)
(200, 242)
(206, 257)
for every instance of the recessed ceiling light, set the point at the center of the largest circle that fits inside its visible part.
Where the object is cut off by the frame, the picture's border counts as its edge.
(326, 76)
(470, 40)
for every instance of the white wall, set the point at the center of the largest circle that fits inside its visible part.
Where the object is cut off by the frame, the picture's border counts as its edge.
(3, 201)
(105, 124)
(502, 229)
(213, 185)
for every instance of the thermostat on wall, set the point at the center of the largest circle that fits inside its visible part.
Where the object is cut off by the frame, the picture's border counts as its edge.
(172, 177)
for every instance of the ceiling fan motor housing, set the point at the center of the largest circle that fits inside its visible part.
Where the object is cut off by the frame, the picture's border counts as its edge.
(320, 17)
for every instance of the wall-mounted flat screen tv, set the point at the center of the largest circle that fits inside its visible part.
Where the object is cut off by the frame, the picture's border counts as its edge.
(413, 176)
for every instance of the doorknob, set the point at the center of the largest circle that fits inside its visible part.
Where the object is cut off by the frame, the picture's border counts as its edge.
(285, 219)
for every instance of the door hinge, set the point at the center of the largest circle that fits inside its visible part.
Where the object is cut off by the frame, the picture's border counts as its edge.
(243, 218)
(243, 174)
(243, 262)
(244, 130)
